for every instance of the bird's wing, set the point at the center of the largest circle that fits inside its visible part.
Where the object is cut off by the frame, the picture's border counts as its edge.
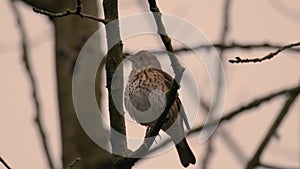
(168, 82)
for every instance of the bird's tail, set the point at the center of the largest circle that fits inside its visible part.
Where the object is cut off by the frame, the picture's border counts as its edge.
(185, 153)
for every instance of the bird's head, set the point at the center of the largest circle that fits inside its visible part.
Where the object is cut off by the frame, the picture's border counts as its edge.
(144, 59)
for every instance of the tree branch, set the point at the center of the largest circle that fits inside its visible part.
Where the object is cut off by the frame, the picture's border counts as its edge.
(257, 102)
(208, 154)
(73, 163)
(178, 69)
(77, 12)
(255, 160)
(114, 59)
(4, 163)
(241, 109)
(223, 38)
(268, 56)
(170, 95)
(32, 80)
(226, 20)
(238, 45)
(126, 163)
(227, 47)
(232, 144)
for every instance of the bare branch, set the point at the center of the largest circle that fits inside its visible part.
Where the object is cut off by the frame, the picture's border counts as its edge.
(150, 136)
(4, 163)
(257, 102)
(255, 160)
(227, 47)
(236, 45)
(170, 95)
(73, 163)
(226, 20)
(207, 154)
(268, 56)
(233, 145)
(33, 83)
(241, 109)
(178, 69)
(223, 38)
(77, 11)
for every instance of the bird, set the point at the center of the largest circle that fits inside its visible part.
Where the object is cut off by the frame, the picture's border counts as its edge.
(145, 100)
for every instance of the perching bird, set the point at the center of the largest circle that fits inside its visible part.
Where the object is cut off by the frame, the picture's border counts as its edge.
(145, 101)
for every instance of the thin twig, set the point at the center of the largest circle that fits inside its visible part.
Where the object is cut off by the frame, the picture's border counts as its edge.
(257, 102)
(4, 163)
(228, 139)
(32, 80)
(241, 45)
(207, 154)
(241, 109)
(223, 38)
(150, 137)
(268, 56)
(178, 69)
(226, 20)
(227, 47)
(233, 145)
(255, 160)
(77, 11)
(73, 163)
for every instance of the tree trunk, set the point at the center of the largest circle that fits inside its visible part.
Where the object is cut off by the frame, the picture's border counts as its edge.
(70, 34)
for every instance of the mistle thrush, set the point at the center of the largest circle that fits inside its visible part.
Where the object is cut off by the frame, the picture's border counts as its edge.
(145, 101)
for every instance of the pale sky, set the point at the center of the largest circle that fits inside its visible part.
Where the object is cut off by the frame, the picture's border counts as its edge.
(251, 22)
